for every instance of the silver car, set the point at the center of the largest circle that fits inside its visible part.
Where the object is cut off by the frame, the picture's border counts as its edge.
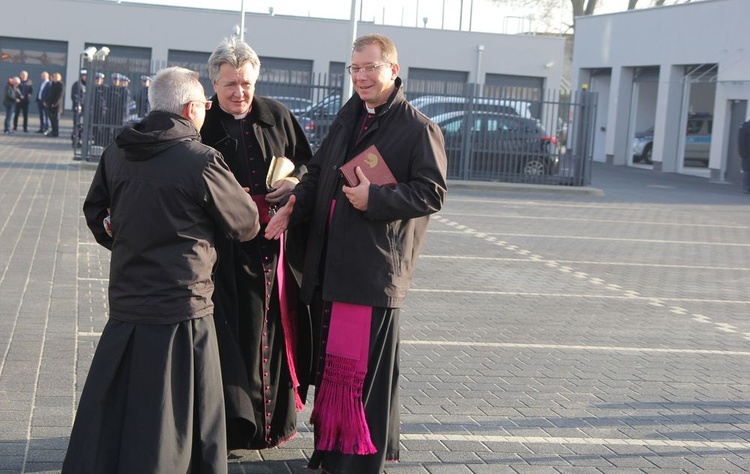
(697, 140)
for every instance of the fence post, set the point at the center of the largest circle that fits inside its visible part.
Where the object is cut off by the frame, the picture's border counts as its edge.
(88, 98)
(584, 138)
(467, 136)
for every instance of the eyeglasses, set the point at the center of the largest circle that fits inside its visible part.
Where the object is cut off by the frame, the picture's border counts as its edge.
(352, 70)
(206, 103)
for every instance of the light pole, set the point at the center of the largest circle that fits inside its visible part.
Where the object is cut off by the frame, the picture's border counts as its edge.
(93, 56)
(348, 86)
(471, 13)
(86, 57)
(242, 20)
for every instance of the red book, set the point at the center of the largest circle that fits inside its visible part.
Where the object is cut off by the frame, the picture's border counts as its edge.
(373, 166)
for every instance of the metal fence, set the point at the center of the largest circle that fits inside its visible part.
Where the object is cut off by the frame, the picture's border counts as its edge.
(543, 139)
(531, 136)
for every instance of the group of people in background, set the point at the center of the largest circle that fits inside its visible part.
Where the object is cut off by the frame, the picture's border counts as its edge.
(49, 97)
(113, 105)
(234, 287)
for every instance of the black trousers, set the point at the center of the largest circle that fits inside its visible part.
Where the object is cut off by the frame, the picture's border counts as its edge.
(54, 120)
(22, 107)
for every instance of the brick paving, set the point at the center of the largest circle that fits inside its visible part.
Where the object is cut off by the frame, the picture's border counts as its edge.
(545, 332)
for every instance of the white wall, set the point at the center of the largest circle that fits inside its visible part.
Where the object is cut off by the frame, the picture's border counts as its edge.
(671, 37)
(693, 33)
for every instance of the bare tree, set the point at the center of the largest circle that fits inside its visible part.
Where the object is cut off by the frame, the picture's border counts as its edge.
(584, 7)
(544, 11)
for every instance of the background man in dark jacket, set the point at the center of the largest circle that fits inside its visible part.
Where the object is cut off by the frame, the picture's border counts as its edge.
(152, 401)
(361, 255)
(55, 104)
(264, 338)
(42, 96)
(22, 108)
(77, 94)
(11, 97)
(141, 97)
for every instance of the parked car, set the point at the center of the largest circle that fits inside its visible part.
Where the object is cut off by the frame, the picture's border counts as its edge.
(500, 144)
(317, 119)
(698, 137)
(642, 145)
(434, 105)
(297, 105)
(697, 140)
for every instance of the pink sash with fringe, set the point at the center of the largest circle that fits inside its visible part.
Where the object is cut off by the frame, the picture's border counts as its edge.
(339, 413)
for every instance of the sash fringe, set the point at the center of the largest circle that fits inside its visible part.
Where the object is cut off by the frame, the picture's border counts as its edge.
(338, 413)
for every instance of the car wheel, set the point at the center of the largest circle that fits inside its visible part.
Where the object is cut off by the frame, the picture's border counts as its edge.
(646, 155)
(534, 167)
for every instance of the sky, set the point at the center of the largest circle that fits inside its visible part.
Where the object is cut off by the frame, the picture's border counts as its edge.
(481, 15)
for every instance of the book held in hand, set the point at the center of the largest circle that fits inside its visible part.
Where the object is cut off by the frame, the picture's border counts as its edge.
(373, 166)
(280, 168)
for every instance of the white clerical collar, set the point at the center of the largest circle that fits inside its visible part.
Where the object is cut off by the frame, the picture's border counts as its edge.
(370, 110)
(236, 116)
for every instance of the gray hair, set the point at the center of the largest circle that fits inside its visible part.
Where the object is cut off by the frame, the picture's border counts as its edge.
(174, 87)
(232, 51)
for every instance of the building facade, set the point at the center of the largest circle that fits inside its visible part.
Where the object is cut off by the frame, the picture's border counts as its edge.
(51, 35)
(673, 85)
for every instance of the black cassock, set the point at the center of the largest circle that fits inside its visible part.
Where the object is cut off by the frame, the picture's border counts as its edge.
(258, 391)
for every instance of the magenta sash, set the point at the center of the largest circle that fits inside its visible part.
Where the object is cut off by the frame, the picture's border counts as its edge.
(339, 413)
(264, 208)
(288, 309)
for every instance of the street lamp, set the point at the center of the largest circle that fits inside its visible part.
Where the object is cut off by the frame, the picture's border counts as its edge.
(102, 54)
(88, 54)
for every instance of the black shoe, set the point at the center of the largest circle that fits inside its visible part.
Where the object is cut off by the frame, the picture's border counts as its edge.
(39, 131)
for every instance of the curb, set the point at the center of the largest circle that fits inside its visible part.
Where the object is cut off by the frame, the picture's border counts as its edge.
(525, 188)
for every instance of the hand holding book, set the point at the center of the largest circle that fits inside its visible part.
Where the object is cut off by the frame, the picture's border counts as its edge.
(372, 164)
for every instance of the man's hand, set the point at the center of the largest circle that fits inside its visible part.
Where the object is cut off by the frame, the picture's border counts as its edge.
(280, 221)
(281, 189)
(359, 195)
(107, 223)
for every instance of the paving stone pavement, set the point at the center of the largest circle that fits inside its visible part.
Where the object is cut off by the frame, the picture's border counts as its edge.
(545, 332)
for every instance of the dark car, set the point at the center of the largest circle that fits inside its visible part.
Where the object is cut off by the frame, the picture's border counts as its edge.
(499, 144)
(317, 119)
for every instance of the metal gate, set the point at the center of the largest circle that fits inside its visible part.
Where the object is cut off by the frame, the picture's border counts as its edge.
(515, 135)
